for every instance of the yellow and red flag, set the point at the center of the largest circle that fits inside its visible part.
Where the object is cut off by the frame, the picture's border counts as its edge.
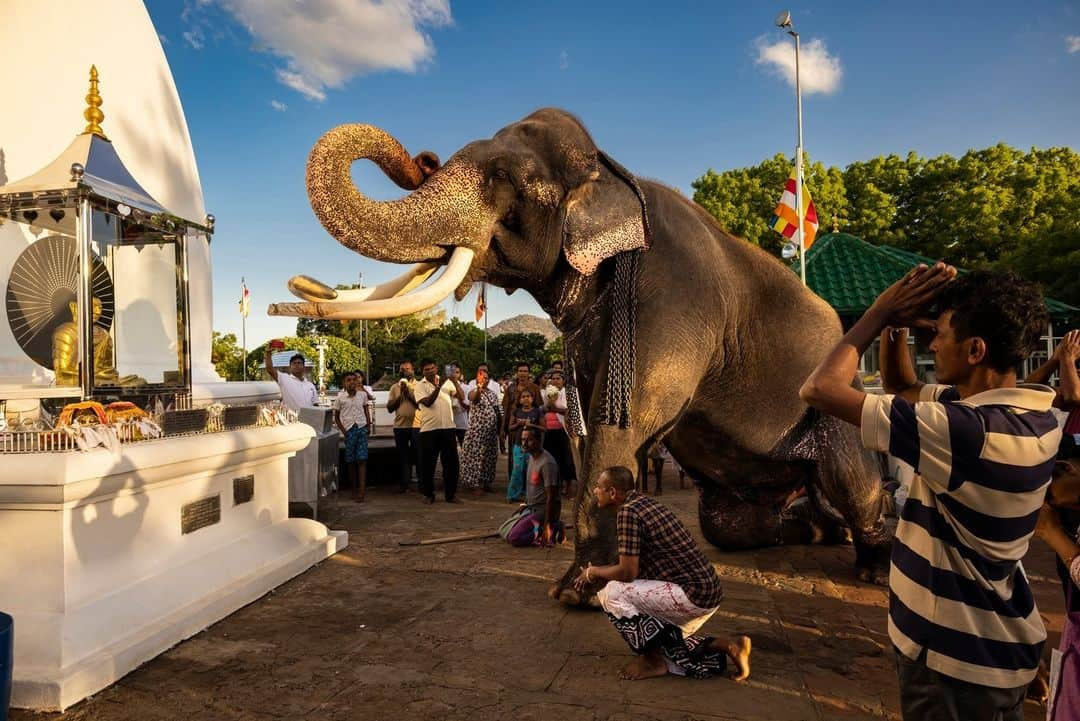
(481, 302)
(245, 299)
(785, 220)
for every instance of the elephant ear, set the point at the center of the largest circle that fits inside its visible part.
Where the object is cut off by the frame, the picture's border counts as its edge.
(604, 216)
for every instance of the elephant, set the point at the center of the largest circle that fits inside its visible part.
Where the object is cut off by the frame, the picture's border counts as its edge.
(723, 333)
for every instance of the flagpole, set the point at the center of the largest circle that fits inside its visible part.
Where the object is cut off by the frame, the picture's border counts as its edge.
(243, 324)
(799, 166)
(483, 294)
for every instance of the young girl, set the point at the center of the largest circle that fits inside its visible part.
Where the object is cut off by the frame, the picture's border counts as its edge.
(524, 415)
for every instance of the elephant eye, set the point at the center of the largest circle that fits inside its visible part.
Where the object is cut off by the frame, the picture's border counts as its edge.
(502, 174)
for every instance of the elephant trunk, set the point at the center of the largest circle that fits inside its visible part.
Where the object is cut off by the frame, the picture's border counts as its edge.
(444, 212)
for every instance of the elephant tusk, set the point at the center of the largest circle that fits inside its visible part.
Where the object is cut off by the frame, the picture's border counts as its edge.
(307, 288)
(374, 309)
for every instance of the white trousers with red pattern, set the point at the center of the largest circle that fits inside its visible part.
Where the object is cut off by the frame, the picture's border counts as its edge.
(660, 599)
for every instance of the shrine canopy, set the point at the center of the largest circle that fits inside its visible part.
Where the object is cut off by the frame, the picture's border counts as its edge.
(850, 273)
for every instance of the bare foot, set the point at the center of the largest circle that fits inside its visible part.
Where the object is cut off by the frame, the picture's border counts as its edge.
(739, 652)
(646, 666)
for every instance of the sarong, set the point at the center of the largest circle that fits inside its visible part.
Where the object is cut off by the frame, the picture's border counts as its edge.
(356, 444)
(657, 614)
(527, 530)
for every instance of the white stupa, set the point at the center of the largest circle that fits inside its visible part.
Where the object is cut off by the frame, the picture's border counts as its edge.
(111, 557)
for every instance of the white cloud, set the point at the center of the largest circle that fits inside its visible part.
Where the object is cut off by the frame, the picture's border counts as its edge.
(195, 38)
(1072, 43)
(278, 106)
(564, 60)
(324, 43)
(819, 72)
(163, 38)
(301, 84)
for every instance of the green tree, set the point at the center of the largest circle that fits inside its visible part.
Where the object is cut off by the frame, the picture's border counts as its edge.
(743, 200)
(996, 207)
(389, 341)
(874, 189)
(510, 348)
(227, 356)
(553, 351)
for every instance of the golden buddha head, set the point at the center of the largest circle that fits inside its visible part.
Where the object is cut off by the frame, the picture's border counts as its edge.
(95, 305)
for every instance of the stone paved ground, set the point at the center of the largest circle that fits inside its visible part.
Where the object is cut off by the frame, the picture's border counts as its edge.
(465, 631)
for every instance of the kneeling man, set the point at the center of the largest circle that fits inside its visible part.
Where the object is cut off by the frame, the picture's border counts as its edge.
(662, 590)
(537, 522)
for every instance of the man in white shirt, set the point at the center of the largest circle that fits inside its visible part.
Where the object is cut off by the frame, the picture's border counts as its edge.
(401, 401)
(437, 438)
(461, 406)
(296, 391)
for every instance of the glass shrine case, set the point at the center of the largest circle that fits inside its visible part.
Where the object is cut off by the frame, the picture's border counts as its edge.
(96, 274)
(133, 272)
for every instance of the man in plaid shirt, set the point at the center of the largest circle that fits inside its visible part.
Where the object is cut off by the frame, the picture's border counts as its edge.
(662, 590)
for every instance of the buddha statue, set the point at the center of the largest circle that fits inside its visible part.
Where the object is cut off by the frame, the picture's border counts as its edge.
(65, 350)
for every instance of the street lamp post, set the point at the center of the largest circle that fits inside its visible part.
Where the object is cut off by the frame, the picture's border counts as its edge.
(364, 340)
(321, 347)
(783, 21)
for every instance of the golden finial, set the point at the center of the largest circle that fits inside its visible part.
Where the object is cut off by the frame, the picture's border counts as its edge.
(93, 113)
(835, 225)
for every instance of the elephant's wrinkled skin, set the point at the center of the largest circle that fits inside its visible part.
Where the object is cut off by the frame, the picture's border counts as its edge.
(725, 333)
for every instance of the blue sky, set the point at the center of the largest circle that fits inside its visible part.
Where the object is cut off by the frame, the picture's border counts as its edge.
(670, 89)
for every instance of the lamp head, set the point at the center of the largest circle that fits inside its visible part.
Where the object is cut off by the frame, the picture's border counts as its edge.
(783, 20)
(790, 250)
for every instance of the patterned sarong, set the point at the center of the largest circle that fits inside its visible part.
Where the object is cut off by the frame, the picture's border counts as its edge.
(657, 614)
(356, 444)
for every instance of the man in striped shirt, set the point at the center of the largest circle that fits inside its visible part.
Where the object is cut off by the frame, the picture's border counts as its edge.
(967, 635)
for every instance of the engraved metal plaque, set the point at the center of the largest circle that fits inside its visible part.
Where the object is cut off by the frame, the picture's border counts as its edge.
(243, 489)
(200, 514)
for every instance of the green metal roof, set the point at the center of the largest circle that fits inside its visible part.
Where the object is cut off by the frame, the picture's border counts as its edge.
(850, 274)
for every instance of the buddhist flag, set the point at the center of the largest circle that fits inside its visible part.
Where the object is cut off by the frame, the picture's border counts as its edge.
(785, 220)
(245, 299)
(481, 302)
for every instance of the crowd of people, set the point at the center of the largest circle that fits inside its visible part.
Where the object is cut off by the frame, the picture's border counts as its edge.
(995, 466)
(464, 426)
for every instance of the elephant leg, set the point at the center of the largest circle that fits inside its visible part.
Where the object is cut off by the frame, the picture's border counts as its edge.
(849, 478)
(736, 514)
(595, 533)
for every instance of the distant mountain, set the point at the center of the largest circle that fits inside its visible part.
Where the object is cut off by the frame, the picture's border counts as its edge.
(525, 324)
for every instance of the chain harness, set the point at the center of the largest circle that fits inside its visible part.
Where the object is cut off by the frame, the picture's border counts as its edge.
(614, 407)
(618, 381)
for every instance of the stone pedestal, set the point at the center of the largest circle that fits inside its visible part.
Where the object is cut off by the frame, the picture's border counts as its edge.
(111, 559)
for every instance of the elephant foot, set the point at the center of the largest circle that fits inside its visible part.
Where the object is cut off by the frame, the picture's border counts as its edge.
(564, 595)
(569, 596)
(801, 523)
(872, 552)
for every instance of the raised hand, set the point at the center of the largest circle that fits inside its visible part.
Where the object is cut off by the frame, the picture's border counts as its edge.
(1068, 350)
(905, 302)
